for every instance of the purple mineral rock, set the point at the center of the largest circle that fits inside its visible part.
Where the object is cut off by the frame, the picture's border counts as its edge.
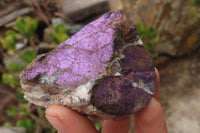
(103, 70)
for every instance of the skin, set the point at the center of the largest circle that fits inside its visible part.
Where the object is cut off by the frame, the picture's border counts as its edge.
(150, 119)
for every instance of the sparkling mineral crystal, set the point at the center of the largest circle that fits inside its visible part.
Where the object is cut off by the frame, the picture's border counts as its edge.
(102, 71)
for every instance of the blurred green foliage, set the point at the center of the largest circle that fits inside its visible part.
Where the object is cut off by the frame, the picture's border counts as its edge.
(13, 111)
(148, 35)
(27, 26)
(98, 125)
(7, 124)
(14, 67)
(21, 110)
(20, 96)
(59, 34)
(26, 123)
(196, 3)
(10, 79)
(28, 56)
(10, 40)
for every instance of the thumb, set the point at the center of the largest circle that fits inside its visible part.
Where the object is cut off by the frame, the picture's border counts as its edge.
(66, 120)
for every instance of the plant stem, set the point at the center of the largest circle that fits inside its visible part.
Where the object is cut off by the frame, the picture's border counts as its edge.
(39, 11)
(2, 69)
(31, 41)
(38, 119)
(18, 53)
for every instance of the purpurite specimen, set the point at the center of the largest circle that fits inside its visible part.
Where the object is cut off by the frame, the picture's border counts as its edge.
(102, 71)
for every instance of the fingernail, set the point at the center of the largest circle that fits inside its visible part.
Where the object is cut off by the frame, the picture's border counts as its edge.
(56, 123)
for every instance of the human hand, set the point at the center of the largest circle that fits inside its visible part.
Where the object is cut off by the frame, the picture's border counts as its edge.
(148, 120)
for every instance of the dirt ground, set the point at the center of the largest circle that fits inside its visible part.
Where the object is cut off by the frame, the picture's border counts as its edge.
(180, 94)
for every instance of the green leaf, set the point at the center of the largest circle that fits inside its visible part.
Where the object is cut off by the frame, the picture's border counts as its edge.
(13, 111)
(52, 36)
(60, 28)
(26, 123)
(28, 56)
(148, 35)
(21, 98)
(149, 46)
(14, 67)
(196, 3)
(7, 124)
(14, 34)
(43, 112)
(26, 26)
(11, 33)
(20, 24)
(30, 27)
(61, 37)
(9, 79)
(23, 109)
(9, 42)
(98, 125)
(59, 34)
(58, 37)
(156, 38)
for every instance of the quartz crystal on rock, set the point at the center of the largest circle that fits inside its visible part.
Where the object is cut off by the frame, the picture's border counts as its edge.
(102, 71)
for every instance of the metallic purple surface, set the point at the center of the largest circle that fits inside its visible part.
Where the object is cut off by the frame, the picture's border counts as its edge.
(81, 57)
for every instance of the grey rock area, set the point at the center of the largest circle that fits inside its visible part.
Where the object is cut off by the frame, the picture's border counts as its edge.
(115, 5)
(13, 15)
(180, 94)
(14, 58)
(176, 20)
(11, 130)
(184, 115)
(81, 9)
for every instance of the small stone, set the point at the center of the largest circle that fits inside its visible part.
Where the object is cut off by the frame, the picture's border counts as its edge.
(116, 5)
(102, 71)
(78, 10)
(13, 15)
(12, 130)
(47, 32)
